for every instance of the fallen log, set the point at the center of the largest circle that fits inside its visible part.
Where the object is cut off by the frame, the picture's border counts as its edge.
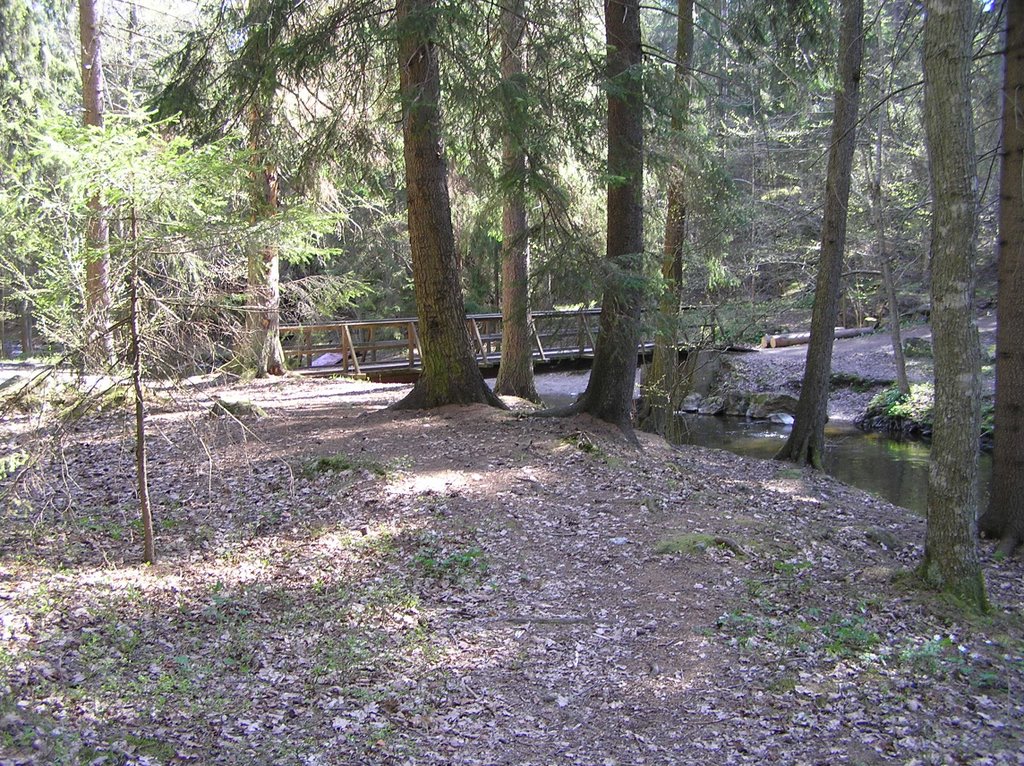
(797, 338)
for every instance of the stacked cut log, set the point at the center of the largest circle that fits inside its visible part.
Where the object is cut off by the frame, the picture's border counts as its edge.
(798, 338)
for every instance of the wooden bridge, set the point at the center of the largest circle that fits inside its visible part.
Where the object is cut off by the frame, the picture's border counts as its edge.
(389, 349)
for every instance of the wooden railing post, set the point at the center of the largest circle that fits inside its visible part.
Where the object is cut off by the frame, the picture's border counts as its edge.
(351, 350)
(536, 339)
(414, 344)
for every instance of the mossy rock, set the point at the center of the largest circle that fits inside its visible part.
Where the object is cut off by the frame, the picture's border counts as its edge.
(696, 543)
(713, 405)
(691, 402)
(917, 348)
(765, 405)
(884, 538)
(239, 410)
(736, 403)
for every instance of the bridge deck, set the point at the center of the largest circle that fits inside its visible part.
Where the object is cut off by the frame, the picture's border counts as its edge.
(390, 348)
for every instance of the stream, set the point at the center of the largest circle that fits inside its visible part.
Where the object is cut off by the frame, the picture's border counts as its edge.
(894, 469)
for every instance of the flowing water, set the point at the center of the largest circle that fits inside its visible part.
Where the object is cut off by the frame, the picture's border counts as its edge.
(894, 469)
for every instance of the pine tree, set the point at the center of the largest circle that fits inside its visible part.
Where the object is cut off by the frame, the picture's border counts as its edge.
(660, 394)
(450, 371)
(806, 443)
(951, 549)
(99, 350)
(515, 375)
(609, 393)
(1004, 518)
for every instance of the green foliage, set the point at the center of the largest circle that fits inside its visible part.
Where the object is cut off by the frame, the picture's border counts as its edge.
(583, 443)
(691, 544)
(177, 197)
(916, 408)
(850, 636)
(455, 566)
(12, 461)
(339, 462)
(988, 419)
(940, 657)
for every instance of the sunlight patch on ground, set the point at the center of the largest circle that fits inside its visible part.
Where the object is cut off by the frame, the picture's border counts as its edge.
(142, 576)
(435, 481)
(380, 536)
(792, 487)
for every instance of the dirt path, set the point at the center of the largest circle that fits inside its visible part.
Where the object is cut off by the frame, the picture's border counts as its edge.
(342, 585)
(865, 358)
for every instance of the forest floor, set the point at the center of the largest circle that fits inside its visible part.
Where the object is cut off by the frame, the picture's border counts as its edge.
(342, 584)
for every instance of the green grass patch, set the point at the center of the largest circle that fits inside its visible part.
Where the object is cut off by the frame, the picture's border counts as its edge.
(791, 568)
(583, 443)
(789, 473)
(690, 544)
(159, 749)
(850, 636)
(338, 463)
(470, 562)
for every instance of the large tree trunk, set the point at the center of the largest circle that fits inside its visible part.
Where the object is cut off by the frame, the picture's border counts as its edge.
(1005, 515)
(263, 317)
(609, 394)
(450, 371)
(951, 553)
(806, 443)
(99, 344)
(515, 375)
(661, 391)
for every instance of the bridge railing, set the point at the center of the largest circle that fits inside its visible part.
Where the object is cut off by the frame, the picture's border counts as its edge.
(358, 345)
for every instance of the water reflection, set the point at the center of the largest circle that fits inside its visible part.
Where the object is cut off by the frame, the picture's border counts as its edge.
(895, 470)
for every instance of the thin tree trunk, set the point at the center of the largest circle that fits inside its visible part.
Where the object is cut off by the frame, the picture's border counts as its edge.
(99, 345)
(27, 346)
(515, 375)
(141, 471)
(806, 443)
(3, 322)
(263, 317)
(450, 371)
(661, 389)
(1004, 517)
(878, 202)
(895, 333)
(951, 551)
(609, 394)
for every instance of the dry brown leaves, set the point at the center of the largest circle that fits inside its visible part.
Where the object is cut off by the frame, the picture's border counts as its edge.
(473, 587)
